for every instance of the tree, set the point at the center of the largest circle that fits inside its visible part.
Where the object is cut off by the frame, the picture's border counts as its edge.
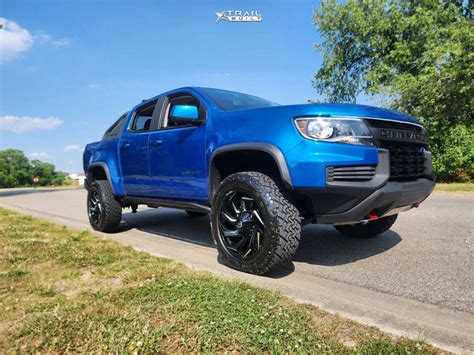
(60, 178)
(16, 170)
(45, 172)
(417, 55)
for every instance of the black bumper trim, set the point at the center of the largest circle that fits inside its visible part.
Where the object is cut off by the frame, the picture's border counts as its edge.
(392, 195)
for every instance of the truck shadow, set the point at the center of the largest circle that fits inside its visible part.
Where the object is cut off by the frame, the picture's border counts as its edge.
(324, 245)
(319, 245)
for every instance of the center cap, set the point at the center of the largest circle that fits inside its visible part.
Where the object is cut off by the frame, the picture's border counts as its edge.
(244, 219)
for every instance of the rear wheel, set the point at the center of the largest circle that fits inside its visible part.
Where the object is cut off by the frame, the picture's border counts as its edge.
(104, 211)
(196, 214)
(255, 227)
(369, 229)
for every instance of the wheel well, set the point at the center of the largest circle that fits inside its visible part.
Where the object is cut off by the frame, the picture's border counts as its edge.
(231, 162)
(97, 173)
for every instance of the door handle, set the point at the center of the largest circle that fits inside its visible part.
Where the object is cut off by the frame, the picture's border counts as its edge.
(124, 145)
(156, 142)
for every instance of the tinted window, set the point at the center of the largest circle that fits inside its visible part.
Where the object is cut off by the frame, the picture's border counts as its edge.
(115, 130)
(143, 118)
(231, 100)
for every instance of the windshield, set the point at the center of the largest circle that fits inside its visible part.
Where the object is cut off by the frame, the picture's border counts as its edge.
(232, 101)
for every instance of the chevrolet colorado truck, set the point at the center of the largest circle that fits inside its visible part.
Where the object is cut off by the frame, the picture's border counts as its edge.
(261, 170)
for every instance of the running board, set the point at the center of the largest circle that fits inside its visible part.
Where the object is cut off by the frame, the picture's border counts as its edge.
(156, 202)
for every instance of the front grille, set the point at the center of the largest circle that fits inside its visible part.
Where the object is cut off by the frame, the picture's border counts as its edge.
(407, 161)
(350, 173)
(406, 144)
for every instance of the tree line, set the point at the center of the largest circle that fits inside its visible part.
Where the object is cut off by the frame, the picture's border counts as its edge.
(17, 170)
(416, 56)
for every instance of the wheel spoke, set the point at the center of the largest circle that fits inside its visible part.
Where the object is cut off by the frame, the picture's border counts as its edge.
(242, 243)
(259, 222)
(228, 233)
(247, 253)
(231, 197)
(232, 234)
(230, 219)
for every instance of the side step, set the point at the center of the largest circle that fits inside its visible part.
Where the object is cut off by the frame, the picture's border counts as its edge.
(156, 202)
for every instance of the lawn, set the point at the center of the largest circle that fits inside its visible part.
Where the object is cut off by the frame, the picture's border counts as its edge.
(468, 186)
(69, 291)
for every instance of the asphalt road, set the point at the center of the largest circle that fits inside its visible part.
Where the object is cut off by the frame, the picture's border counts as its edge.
(416, 276)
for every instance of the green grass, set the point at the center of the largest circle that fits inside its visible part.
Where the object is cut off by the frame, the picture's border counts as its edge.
(68, 291)
(468, 186)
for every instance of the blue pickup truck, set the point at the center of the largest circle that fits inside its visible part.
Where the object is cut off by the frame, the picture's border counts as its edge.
(261, 170)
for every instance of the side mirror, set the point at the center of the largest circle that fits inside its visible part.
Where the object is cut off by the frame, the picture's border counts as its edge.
(185, 114)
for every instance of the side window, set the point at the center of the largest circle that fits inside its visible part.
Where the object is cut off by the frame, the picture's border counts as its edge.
(183, 99)
(143, 118)
(115, 130)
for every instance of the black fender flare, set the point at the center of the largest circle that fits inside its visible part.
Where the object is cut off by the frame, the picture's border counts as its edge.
(106, 170)
(269, 148)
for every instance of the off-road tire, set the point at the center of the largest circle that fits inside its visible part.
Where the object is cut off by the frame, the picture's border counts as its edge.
(196, 214)
(281, 219)
(368, 230)
(111, 208)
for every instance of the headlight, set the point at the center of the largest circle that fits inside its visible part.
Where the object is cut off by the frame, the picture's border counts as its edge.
(342, 130)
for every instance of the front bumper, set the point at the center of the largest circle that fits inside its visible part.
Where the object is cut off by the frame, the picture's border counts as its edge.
(347, 202)
(393, 197)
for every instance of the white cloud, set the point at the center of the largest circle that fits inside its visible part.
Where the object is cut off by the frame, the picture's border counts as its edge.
(36, 155)
(22, 124)
(94, 86)
(45, 38)
(61, 42)
(42, 37)
(72, 148)
(14, 40)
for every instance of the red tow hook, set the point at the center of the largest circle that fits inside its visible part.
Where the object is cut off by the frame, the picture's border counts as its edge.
(372, 216)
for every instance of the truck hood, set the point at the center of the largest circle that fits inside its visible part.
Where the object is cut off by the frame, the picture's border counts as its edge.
(351, 110)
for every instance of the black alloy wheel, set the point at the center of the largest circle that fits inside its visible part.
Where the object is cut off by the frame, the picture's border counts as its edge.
(241, 227)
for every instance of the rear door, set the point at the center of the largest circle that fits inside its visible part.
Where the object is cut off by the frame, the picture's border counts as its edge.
(176, 153)
(133, 148)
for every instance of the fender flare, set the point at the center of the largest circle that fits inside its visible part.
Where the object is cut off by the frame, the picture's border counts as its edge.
(269, 148)
(107, 173)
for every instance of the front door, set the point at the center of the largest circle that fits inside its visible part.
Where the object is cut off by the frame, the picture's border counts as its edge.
(176, 153)
(133, 148)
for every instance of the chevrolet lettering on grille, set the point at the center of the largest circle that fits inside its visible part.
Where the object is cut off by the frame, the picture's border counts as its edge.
(399, 135)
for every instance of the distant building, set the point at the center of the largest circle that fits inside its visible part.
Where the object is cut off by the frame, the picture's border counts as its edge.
(78, 179)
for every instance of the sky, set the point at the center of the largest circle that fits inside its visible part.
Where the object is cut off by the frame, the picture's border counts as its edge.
(69, 69)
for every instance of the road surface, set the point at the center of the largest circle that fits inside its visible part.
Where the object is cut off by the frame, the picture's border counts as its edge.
(415, 280)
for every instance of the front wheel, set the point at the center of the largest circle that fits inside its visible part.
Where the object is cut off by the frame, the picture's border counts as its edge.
(255, 227)
(369, 229)
(104, 211)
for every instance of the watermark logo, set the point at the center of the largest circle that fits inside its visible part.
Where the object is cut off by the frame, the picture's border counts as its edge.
(238, 16)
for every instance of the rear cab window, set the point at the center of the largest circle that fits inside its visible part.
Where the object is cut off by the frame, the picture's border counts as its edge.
(146, 117)
(115, 130)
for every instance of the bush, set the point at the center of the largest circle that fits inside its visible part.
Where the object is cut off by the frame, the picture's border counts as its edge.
(453, 157)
